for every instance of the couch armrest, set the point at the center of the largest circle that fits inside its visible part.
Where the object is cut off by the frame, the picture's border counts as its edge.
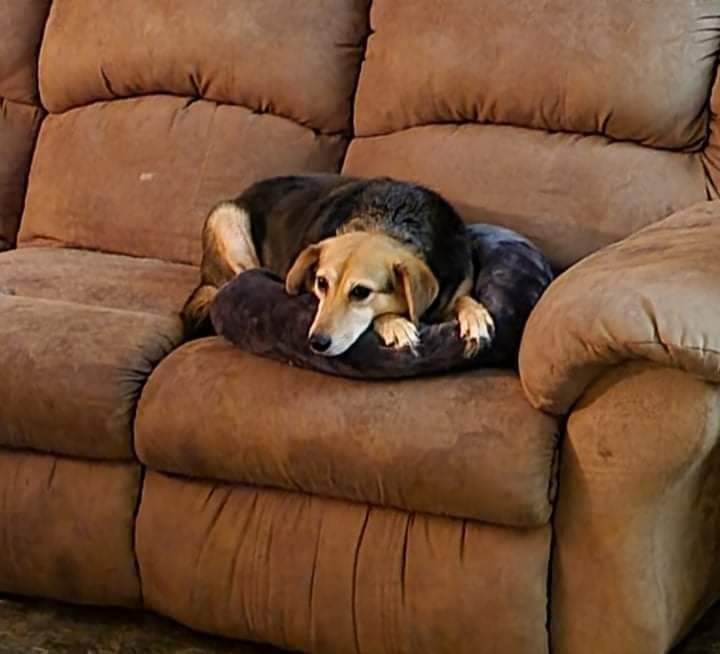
(654, 296)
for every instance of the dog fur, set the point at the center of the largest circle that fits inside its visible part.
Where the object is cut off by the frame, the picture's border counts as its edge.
(401, 242)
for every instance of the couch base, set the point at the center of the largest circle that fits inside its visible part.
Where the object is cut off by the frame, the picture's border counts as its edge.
(66, 528)
(327, 576)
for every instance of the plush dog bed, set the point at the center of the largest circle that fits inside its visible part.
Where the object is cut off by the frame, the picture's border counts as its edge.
(254, 312)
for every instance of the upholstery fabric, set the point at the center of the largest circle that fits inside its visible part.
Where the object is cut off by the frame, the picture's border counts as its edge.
(139, 176)
(465, 445)
(66, 528)
(21, 26)
(97, 279)
(331, 577)
(19, 124)
(631, 71)
(568, 193)
(636, 525)
(655, 296)
(573, 122)
(297, 59)
(226, 100)
(72, 374)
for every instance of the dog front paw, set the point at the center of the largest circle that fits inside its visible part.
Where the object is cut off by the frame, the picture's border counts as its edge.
(477, 327)
(397, 332)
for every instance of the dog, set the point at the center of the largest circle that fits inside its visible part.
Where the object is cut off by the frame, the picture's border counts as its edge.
(375, 252)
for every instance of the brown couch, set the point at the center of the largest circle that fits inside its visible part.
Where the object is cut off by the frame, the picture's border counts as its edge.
(573, 508)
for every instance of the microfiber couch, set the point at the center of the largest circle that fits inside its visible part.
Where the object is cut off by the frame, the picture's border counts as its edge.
(573, 507)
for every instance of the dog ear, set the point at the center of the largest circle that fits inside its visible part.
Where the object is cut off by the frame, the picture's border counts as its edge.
(301, 273)
(419, 284)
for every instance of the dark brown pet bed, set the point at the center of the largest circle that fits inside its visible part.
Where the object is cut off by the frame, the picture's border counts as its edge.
(254, 312)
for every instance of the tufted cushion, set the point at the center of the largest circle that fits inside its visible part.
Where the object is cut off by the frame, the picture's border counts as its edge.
(226, 100)
(138, 176)
(571, 195)
(575, 123)
(293, 59)
(634, 71)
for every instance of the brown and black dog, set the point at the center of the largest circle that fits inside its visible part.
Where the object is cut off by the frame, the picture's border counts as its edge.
(374, 251)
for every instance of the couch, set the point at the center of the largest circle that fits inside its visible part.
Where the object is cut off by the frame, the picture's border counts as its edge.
(571, 506)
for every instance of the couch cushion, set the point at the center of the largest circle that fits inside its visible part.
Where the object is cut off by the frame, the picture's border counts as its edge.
(464, 445)
(575, 122)
(97, 279)
(294, 59)
(79, 340)
(139, 176)
(163, 109)
(631, 71)
(571, 195)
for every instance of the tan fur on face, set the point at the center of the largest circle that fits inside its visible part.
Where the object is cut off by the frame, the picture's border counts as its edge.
(401, 285)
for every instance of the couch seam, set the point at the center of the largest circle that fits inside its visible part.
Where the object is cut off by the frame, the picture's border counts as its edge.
(342, 133)
(134, 535)
(608, 140)
(351, 135)
(557, 467)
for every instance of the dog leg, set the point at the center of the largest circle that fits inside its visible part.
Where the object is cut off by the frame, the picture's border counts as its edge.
(228, 250)
(477, 326)
(396, 331)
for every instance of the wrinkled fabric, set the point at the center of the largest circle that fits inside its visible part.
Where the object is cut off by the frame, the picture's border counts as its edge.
(636, 525)
(66, 528)
(464, 445)
(653, 296)
(72, 374)
(570, 194)
(294, 59)
(632, 71)
(331, 577)
(139, 176)
(97, 279)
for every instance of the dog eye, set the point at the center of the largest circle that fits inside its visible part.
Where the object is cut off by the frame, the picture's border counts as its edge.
(360, 292)
(322, 284)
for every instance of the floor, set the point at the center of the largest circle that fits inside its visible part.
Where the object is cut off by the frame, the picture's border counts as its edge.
(39, 627)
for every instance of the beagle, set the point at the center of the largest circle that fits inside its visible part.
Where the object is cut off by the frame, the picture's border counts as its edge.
(374, 251)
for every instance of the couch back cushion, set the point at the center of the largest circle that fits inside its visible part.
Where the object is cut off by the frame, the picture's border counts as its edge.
(574, 121)
(21, 29)
(160, 109)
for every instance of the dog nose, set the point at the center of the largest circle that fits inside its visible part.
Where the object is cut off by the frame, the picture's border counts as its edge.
(320, 342)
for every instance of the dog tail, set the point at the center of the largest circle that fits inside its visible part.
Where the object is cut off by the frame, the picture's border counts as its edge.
(196, 312)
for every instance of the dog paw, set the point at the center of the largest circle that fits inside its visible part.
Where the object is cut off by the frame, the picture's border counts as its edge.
(477, 327)
(397, 332)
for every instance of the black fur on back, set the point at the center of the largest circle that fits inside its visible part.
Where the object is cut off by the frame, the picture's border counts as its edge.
(289, 213)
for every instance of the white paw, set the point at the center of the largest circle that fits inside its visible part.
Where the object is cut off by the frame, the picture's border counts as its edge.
(395, 331)
(477, 327)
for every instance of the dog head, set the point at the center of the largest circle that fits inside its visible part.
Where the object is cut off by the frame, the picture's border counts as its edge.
(357, 277)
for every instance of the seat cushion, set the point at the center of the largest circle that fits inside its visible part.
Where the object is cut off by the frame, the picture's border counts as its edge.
(81, 332)
(97, 279)
(467, 445)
